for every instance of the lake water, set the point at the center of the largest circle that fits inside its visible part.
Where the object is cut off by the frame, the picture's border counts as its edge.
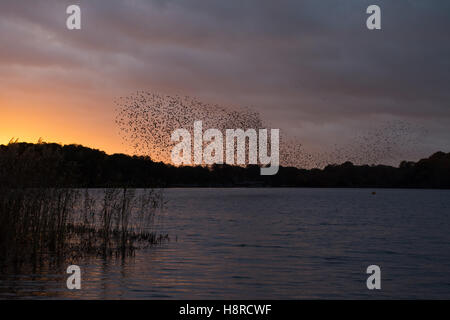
(274, 244)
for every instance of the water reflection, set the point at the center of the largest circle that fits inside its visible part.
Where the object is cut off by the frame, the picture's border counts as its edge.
(272, 243)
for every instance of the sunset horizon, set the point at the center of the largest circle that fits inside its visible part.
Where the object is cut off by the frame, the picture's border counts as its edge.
(224, 159)
(309, 77)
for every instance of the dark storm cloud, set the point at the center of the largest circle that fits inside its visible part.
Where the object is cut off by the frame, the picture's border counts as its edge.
(304, 64)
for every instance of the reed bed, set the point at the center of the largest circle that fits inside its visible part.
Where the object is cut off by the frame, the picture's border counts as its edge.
(62, 223)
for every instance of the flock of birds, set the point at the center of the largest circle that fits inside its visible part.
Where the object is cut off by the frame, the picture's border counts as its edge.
(146, 121)
(387, 143)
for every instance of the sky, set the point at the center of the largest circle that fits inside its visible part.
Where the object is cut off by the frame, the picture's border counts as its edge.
(310, 68)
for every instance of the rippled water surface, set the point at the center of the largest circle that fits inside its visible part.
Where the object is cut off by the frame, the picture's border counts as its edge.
(274, 244)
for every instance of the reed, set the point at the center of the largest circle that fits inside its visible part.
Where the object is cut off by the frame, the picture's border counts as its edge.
(41, 223)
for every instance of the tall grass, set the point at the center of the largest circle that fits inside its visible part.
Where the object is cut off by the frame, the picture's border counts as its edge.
(57, 223)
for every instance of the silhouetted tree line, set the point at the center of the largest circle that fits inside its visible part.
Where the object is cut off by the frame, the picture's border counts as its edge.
(54, 165)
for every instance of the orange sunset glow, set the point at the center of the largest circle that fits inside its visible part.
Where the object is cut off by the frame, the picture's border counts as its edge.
(224, 159)
(58, 118)
(325, 87)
